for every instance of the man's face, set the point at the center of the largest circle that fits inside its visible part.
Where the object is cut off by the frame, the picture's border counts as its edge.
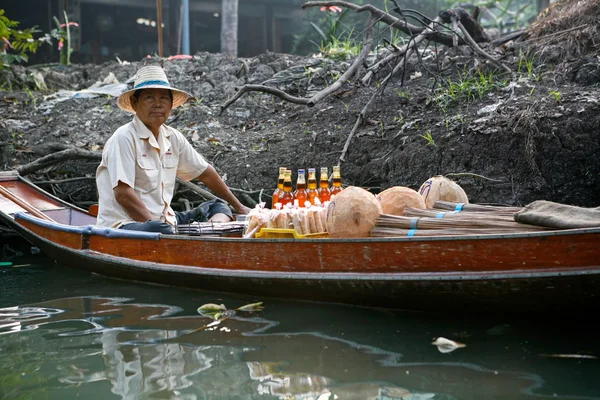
(152, 107)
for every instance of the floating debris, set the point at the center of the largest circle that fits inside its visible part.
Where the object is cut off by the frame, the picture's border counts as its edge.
(446, 345)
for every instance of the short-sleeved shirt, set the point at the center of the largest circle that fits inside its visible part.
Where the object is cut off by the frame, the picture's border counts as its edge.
(149, 165)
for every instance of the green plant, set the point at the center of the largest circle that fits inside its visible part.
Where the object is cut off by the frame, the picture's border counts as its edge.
(340, 48)
(32, 96)
(525, 65)
(62, 33)
(430, 141)
(20, 42)
(332, 24)
(403, 94)
(466, 88)
(556, 95)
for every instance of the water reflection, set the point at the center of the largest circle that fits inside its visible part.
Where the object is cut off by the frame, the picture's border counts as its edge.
(92, 347)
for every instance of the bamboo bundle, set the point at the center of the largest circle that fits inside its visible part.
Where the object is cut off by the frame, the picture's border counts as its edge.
(452, 206)
(479, 222)
(211, 228)
(382, 231)
(437, 213)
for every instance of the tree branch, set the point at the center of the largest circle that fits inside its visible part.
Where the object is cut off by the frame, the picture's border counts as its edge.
(54, 158)
(389, 20)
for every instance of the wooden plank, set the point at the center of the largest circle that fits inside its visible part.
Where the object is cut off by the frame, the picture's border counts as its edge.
(23, 204)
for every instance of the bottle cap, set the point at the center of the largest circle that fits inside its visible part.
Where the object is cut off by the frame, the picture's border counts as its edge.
(301, 171)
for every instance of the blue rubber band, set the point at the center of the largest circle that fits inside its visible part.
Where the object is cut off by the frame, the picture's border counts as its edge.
(411, 232)
(440, 215)
(459, 206)
(413, 222)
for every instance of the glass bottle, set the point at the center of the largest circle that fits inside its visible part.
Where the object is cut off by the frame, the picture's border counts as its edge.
(337, 180)
(300, 193)
(279, 189)
(287, 197)
(312, 186)
(324, 192)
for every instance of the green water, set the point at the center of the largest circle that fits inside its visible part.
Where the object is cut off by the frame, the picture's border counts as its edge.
(67, 334)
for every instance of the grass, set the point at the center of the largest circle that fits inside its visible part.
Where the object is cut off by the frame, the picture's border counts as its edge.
(556, 95)
(430, 141)
(526, 66)
(341, 48)
(32, 96)
(466, 88)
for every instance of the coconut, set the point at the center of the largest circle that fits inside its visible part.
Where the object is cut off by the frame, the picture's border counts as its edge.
(398, 198)
(442, 188)
(353, 212)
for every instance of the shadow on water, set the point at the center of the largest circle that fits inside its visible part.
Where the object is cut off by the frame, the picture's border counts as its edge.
(67, 334)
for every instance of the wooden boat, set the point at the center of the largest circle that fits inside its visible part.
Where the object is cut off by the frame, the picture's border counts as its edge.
(531, 271)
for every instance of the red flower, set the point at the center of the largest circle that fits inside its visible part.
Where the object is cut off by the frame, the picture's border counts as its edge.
(61, 43)
(6, 42)
(331, 8)
(181, 57)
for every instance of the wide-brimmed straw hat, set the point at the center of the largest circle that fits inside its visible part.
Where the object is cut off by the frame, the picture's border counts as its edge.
(151, 77)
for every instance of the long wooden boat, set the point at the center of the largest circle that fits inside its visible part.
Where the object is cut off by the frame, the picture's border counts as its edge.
(529, 272)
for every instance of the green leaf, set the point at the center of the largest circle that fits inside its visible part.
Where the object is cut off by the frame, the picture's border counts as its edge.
(251, 307)
(320, 32)
(211, 307)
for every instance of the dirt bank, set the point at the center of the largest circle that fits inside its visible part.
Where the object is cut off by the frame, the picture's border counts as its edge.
(506, 139)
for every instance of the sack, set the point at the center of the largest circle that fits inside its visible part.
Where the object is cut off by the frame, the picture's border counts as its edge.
(560, 216)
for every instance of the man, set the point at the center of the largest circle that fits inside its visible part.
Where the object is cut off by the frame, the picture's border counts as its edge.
(141, 160)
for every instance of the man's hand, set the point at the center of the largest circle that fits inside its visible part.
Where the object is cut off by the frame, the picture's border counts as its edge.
(213, 181)
(243, 209)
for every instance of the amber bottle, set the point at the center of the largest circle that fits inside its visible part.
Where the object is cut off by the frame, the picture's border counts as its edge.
(324, 191)
(279, 189)
(312, 186)
(287, 197)
(337, 180)
(300, 193)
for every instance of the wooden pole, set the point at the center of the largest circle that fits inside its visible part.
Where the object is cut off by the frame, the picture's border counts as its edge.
(159, 25)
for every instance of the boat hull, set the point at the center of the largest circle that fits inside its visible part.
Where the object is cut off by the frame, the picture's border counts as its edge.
(522, 272)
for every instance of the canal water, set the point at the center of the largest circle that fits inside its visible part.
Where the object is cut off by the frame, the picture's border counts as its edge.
(69, 334)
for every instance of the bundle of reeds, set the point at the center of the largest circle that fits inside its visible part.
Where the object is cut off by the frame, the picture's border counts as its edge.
(449, 205)
(462, 223)
(381, 231)
(232, 228)
(445, 214)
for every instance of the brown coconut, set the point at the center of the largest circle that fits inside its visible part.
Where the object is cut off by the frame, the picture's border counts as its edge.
(352, 213)
(398, 198)
(442, 188)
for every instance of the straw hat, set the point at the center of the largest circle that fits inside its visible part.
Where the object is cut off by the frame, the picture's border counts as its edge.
(151, 77)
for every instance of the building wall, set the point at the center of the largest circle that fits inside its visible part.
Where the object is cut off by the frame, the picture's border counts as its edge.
(110, 28)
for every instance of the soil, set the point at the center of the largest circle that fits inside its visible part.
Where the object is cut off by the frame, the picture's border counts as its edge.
(515, 139)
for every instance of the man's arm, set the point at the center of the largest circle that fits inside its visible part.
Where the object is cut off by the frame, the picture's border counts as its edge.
(213, 181)
(131, 202)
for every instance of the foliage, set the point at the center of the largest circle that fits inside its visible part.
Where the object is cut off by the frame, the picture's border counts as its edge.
(62, 34)
(220, 312)
(16, 44)
(504, 15)
(467, 87)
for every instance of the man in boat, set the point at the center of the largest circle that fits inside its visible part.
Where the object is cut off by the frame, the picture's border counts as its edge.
(141, 160)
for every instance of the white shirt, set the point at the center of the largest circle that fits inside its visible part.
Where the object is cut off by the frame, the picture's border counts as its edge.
(149, 165)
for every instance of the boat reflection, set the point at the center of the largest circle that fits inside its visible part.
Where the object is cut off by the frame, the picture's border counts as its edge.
(151, 351)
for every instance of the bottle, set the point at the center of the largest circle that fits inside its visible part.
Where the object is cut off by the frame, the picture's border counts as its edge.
(279, 189)
(287, 197)
(312, 186)
(337, 180)
(324, 192)
(300, 193)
